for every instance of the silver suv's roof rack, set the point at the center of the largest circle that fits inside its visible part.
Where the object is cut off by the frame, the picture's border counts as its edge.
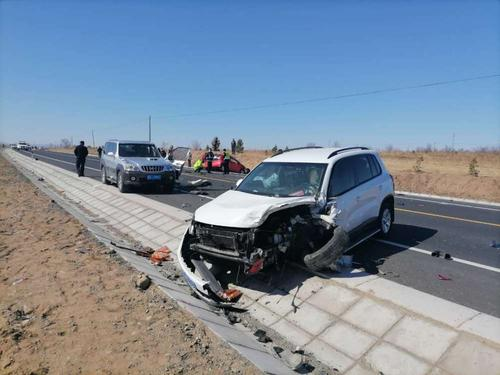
(336, 152)
(280, 151)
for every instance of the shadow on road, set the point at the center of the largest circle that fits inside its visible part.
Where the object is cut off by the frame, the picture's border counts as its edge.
(370, 257)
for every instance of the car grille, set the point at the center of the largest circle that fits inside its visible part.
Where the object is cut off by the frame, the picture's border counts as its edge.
(152, 168)
(220, 237)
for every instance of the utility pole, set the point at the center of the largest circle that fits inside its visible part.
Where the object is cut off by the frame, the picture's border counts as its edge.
(93, 139)
(150, 128)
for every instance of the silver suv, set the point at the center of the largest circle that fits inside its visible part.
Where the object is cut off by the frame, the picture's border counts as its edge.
(135, 163)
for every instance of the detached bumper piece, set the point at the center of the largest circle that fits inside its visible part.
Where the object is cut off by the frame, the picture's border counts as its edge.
(203, 282)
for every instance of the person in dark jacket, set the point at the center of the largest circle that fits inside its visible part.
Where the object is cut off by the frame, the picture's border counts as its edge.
(99, 151)
(81, 153)
(210, 158)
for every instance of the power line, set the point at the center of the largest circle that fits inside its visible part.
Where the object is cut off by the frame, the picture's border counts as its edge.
(336, 97)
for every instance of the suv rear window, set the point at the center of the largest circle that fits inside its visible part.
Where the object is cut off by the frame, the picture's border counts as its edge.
(138, 150)
(351, 172)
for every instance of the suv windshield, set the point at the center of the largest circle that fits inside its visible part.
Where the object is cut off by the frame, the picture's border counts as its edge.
(138, 150)
(284, 179)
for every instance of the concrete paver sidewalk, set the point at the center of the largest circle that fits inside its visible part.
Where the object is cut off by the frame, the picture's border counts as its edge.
(354, 322)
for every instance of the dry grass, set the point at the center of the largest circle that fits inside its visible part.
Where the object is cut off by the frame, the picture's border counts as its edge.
(443, 173)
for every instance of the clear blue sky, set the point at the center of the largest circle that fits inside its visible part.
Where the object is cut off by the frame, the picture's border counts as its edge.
(69, 67)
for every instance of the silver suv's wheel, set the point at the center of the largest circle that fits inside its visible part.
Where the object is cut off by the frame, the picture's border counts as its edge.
(120, 183)
(104, 178)
(385, 219)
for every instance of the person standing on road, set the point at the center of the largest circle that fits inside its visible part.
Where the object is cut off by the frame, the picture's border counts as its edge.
(233, 147)
(189, 156)
(81, 153)
(99, 151)
(227, 158)
(210, 158)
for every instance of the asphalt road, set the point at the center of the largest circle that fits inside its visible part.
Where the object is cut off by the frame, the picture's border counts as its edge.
(465, 231)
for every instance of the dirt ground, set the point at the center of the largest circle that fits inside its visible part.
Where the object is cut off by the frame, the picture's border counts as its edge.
(69, 307)
(441, 173)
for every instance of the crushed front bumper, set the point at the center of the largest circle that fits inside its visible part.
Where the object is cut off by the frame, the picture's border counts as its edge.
(201, 280)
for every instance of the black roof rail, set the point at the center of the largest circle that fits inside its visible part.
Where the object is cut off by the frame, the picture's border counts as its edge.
(279, 152)
(336, 152)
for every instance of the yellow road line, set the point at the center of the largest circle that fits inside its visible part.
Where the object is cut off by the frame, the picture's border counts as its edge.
(449, 217)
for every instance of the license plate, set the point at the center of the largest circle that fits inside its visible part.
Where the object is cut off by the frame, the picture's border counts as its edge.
(154, 177)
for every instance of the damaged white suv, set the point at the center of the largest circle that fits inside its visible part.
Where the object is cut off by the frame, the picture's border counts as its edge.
(306, 205)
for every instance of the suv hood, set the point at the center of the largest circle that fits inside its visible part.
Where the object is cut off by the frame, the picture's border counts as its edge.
(244, 210)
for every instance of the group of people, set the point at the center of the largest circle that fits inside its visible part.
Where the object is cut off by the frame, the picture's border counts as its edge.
(81, 152)
(209, 157)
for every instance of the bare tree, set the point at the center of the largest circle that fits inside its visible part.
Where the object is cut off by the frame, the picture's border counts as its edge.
(239, 146)
(65, 143)
(215, 144)
(310, 144)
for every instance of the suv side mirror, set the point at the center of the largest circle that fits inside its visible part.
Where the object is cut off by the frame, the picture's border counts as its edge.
(238, 182)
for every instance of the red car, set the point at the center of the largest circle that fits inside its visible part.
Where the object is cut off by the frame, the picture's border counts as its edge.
(217, 164)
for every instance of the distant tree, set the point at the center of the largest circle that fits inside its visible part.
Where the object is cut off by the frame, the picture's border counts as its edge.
(65, 143)
(389, 148)
(473, 167)
(195, 145)
(239, 145)
(274, 149)
(215, 144)
(286, 148)
(418, 164)
(336, 144)
(310, 144)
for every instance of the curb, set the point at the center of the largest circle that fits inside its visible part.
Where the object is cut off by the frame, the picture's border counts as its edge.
(447, 199)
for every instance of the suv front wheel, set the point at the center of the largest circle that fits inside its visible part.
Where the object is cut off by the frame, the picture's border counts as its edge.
(104, 178)
(119, 181)
(385, 219)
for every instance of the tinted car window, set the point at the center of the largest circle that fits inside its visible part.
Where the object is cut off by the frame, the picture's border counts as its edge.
(342, 178)
(362, 168)
(110, 147)
(138, 150)
(376, 170)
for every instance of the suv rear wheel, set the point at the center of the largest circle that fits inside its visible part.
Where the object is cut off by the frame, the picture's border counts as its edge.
(385, 219)
(121, 185)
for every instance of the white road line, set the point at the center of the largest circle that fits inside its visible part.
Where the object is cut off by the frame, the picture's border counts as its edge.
(448, 203)
(65, 162)
(198, 195)
(427, 252)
